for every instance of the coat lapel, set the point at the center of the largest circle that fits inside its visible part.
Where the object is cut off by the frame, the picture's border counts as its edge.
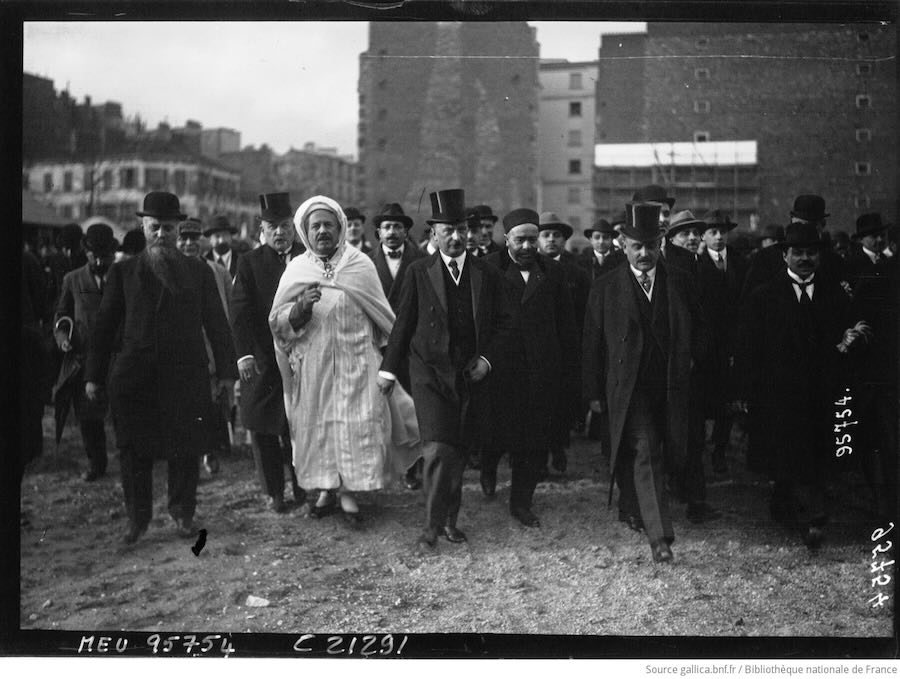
(534, 282)
(436, 277)
(384, 273)
(475, 277)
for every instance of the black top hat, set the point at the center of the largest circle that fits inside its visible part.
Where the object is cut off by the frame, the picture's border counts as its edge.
(392, 212)
(684, 220)
(773, 231)
(448, 206)
(642, 221)
(801, 235)
(868, 224)
(219, 223)
(353, 213)
(549, 220)
(273, 207)
(99, 239)
(133, 242)
(190, 225)
(652, 193)
(719, 219)
(161, 205)
(518, 217)
(483, 212)
(810, 208)
(601, 226)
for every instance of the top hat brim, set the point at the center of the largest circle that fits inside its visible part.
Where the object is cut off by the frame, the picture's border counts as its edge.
(274, 216)
(446, 219)
(643, 236)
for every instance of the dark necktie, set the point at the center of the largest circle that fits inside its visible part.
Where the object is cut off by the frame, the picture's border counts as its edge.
(394, 254)
(221, 261)
(804, 296)
(646, 283)
(720, 263)
(283, 258)
(454, 269)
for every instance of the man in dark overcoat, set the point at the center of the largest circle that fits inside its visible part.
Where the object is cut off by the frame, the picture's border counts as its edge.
(221, 233)
(867, 251)
(76, 313)
(534, 385)
(642, 331)
(453, 325)
(163, 301)
(483, 220)
(261, 402)
(793, 340)
(602, 256)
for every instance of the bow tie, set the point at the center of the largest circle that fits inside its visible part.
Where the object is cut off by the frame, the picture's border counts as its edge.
(394, 254)
(523, 267)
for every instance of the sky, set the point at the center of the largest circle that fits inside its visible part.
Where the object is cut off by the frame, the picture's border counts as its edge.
(279, 83)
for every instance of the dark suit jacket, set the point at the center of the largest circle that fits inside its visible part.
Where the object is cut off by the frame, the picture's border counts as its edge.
(159, 382)
(536, 387)
(421, 332)
(613, 341)
(768, 263)
(235, 257)
(859, 265)
(390, 285)
(262, 400)
(80, 301)
(681, 258)
(588, 261)
(578, 283)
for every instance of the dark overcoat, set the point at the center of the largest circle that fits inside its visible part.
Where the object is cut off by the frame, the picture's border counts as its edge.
(235, 259)
(613, 341)
(262, 400)
(588, 261)
(159, 381)
(421, 332)
(389, 284)
(533, 388)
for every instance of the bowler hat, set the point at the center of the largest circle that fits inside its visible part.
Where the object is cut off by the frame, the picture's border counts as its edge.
(190, 225)
(868, 224)
(682, 221)
(448, 206)
(352, 213)
(99, 239)
(601, 226)
(273, 207)
(162, 205)
(133, 242)
(719, 219)
(392, 212)
(809, 207)
(773, 231)
(483, 212)
(652, 193)
(801, 235)
(219, 223)
(549, 220)
(642, 221)
(518, 217)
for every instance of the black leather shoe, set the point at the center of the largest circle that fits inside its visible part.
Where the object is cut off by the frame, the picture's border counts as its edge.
(317, 512)
(813, 537)
(353, 519)
(635, 523)
(92, 475)
(133, 533)
(427, 541)
(454, 534)
(662, 553)
(276, 504)
(525, 517)
(558, 460)
(299, 495)
(185, 528)
(488, 482)
(698, 512)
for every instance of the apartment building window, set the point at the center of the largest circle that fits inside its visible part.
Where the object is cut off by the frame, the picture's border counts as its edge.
(862, 37)
(574, 137)
(381, 145)
(701, 74)
(382, 114)
(701, 106)
(700, 137)
(381, 173)
(861, 201)
(382, 84)
(701, 42)
(574, 109)
(864, 134)
(574, 197)
(516, 79)
(362, 99)
(67, 181)
(180, 181)
(48, 182)
(863, 168)
(126, 178)
(863, 101)
(156, 178)
(107, 180)
(575, 81)
(361, 142)
(67, 211)
(863, 69)
(574, 167)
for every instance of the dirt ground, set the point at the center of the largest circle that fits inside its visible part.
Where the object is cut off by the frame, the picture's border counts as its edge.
(582, 572)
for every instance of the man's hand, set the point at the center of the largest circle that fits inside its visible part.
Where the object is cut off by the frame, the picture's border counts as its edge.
(223, 385)
(309, 297)
(385, 386)
(477, 369)
(92, 390)
(597, 406)
(247, 369)
(62, 340)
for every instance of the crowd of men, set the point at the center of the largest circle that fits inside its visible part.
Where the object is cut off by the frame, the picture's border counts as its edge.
(663, 324)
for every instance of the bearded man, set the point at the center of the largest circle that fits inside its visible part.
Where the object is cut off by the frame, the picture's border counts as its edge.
(162, 301)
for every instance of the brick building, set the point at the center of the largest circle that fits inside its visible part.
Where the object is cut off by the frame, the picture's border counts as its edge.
(446, 105)
(819, 101)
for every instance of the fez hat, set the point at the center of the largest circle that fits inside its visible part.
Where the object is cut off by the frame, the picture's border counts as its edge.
(868, 224)
(161, 205)
(99, 239)
(773, 231)
(219, 223)
(718, 218)
(480, 212)
(642, 221)
(273, 207)
(190, 225)
(133, 242)
(601, 226)
(448, 206)
(810, 208)
(353, 213)
(518, 217)
(549, 220)
(653, 193)
(392, 212)
(801, 235)
(683, 220)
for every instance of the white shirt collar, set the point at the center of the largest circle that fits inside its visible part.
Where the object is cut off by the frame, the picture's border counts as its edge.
(716, 255)
(460, 260)
(387, 249)
(638, 274)
(797, 278)
(871, 255)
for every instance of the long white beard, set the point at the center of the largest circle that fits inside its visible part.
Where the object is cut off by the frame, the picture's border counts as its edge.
(163, 261)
